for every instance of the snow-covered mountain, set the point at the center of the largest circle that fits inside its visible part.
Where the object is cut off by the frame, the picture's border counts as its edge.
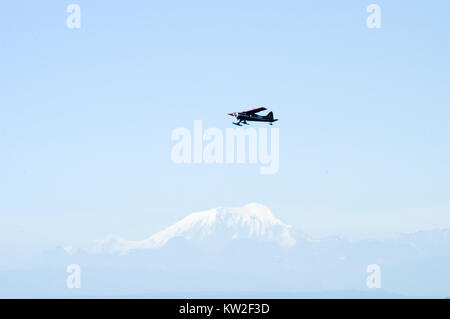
(252, 221)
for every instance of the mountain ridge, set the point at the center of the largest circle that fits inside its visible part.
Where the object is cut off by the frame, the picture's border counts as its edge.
(253, 221)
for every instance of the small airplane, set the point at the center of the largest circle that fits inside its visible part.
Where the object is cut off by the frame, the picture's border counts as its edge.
(251, 115)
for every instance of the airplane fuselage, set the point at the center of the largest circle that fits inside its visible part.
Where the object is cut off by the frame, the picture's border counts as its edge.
(255, 118)
(251, 116)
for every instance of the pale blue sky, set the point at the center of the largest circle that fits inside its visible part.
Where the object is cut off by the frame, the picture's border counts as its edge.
(86, 115)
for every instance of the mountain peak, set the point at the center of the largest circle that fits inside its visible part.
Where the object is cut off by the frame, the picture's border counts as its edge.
(252, 221)
(246, 214)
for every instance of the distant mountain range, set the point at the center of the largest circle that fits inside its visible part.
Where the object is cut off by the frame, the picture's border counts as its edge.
(243, 252)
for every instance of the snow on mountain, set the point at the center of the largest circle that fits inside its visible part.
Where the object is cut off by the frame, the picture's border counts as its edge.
(252, 221)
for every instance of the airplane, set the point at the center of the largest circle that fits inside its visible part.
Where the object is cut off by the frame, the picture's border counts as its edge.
(251, 115)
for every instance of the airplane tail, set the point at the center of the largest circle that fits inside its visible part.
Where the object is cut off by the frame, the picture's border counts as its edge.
(270, 118)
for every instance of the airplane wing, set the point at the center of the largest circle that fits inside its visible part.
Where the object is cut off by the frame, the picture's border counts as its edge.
(254, 111)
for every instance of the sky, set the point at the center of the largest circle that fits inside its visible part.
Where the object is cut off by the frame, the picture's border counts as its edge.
(87, 116)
